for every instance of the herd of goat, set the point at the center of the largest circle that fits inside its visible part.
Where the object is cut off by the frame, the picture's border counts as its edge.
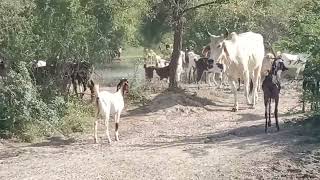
(66, 74)
(236, 57)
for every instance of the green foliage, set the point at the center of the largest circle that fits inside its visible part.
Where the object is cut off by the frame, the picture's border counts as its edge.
(24, 114)
(77, 118)
(56, 31)
(22, 111)
(137, 87)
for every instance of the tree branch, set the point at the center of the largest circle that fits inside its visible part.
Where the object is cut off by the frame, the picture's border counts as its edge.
(204, 4)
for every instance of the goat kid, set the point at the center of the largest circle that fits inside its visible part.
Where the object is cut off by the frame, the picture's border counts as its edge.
(271, 89)
(110, 104)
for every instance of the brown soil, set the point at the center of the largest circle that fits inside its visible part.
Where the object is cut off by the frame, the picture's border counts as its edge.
(182, 135)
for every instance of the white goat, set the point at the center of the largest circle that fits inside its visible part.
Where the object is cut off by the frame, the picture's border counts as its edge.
(191, 68)
(110, 104)
(180, 70)
(160, 63)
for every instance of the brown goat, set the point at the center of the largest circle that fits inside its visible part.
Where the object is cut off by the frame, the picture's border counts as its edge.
(271, 90)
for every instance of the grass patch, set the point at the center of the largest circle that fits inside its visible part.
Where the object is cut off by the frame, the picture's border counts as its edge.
(78, 117)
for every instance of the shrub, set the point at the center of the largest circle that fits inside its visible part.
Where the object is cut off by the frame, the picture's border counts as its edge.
(25, 115)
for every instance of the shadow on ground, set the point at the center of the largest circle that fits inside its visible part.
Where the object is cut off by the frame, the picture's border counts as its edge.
(169, 99)
(55, 142)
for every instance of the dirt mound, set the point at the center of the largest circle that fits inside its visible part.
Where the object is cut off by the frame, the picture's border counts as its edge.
(174, 101)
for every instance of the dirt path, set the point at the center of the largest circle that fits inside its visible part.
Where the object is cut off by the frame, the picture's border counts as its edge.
(177, 136)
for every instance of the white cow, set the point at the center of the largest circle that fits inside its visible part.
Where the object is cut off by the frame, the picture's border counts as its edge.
(191, 65)
(297, 62)
(243, 55)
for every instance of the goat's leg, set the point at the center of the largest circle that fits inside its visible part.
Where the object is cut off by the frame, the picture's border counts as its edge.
(303, 102)
(269, 122)
(209, 76)
(276, 112)
(95, 135)
(74, 84)
(117, 119)
(266, 113)
(194, 76)
(106, 123)
(84, 84)
(95, 131)
(213, 76)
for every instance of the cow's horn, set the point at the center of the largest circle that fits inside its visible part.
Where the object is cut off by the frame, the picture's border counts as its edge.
(209, 33)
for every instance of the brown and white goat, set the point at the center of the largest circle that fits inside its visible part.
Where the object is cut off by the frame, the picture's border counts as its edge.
(110, 104)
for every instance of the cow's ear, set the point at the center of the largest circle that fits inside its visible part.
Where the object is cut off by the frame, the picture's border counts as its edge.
(225, 49)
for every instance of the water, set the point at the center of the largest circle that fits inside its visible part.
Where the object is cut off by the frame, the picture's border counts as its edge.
(110, 74)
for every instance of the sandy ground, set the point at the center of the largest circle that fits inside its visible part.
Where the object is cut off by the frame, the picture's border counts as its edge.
(182, 135)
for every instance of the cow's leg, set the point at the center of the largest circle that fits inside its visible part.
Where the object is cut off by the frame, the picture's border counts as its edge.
(239, 84)
(95, 133)
(189, 75)
(246, 86)
(255, 80)
(234, 89)
(221, 80)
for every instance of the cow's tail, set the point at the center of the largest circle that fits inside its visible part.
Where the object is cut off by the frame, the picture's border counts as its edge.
(251, 87)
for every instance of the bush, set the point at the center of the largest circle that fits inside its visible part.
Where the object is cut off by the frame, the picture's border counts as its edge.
(137, 88)
(77, 118)
(26, 116)
(23, 113)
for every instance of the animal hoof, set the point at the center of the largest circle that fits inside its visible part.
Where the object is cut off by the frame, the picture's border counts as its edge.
(234, 110)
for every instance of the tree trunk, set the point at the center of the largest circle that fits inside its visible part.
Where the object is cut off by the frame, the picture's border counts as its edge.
(177, 45)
